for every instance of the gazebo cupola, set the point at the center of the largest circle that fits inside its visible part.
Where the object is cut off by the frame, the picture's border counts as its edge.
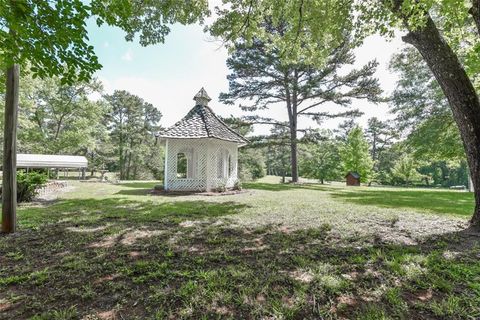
(201, 151)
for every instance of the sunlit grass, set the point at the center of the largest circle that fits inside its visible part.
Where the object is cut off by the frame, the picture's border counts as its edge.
(276, 251)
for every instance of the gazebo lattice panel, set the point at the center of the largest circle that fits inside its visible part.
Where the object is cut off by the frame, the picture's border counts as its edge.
(211, 163)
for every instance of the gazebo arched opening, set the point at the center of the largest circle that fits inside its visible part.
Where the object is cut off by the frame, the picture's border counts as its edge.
(182, 165)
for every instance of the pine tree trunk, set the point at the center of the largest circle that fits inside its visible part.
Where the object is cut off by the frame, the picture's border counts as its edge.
(460, 93)
(293, 154)
(121, 161)
(9, 185)
(128, 165)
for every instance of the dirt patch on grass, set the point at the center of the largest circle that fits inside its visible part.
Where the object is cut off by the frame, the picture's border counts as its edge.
(385, 225)
(297, 255)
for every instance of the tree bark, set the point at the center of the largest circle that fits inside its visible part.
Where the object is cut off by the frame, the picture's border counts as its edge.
(9, 183)
(475, 13)
(127, 174)
(461, 95)
(293, 153)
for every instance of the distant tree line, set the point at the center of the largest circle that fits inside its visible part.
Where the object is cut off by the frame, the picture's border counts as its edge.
(421, 145)
(115, 132)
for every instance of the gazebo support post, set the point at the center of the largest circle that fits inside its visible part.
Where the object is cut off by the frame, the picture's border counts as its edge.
(165, 171)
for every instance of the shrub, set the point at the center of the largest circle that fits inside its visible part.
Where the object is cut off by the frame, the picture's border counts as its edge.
(28, 185)
(237, 185)
(221, 188)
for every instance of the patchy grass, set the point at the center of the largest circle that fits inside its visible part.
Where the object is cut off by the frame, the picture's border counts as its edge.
(287, 252)
(437, 201)
(441, 201)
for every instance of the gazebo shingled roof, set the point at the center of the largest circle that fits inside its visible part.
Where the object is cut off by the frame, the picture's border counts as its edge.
(201, 122)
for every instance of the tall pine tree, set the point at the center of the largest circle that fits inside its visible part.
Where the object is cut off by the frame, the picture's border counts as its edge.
(260, 79)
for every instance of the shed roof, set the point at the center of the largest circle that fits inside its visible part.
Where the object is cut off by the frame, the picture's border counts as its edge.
(50, 161)
(354, 174)
(201, 122)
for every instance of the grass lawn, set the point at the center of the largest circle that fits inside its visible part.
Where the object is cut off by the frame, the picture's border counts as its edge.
(105, 251)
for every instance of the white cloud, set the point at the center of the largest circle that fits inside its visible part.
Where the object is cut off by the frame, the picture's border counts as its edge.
(128, 56)
(106, 44)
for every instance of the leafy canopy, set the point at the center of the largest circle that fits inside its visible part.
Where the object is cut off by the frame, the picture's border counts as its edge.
(311, 28)
(52, 35)
(452, 17)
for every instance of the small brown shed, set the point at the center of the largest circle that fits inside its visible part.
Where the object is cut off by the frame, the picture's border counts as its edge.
(353, 178)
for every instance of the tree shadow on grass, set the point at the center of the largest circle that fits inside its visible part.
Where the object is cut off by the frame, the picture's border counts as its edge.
(160, 268)
(137, 188)
(135, 192)
(96, 211)
(283, 186)
(443, 202)
(139, 185)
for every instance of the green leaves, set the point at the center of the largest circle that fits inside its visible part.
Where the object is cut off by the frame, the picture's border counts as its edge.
(57, 118)
(309, 29)
(405, 169)
(132, 124)
(51, 36)
(149, 20)
(355, 155)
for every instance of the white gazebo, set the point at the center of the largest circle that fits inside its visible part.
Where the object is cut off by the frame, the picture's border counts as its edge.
(201, 151)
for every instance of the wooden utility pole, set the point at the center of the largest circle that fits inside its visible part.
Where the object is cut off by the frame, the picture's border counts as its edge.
(9, 186)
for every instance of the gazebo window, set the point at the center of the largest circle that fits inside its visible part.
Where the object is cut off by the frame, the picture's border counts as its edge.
(182, 165)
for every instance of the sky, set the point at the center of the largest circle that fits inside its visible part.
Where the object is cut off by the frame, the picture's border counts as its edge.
(169, 75)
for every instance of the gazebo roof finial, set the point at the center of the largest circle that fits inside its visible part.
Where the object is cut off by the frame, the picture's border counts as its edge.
(202, 98)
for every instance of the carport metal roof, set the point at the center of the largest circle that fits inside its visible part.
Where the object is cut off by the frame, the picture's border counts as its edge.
(50, 161)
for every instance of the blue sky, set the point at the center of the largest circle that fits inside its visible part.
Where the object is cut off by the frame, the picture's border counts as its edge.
(168, 75)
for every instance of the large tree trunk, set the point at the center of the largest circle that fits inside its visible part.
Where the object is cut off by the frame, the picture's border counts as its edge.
(9, 186)
(460, 93)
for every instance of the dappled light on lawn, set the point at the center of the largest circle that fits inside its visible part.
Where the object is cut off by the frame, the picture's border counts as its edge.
(300, 252)
(441, 202)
